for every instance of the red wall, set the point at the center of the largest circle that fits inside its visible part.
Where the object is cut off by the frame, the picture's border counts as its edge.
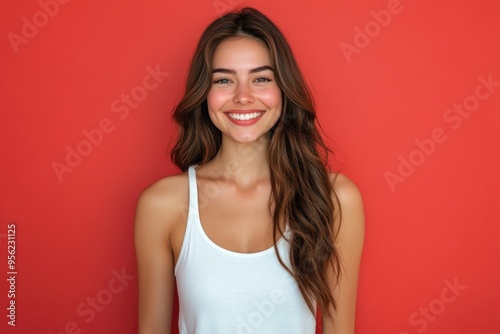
(402, 90)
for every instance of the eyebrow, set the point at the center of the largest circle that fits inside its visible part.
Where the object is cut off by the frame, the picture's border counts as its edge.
(253, 70)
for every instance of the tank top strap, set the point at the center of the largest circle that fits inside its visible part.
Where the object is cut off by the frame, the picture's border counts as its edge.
(189, 234)
(193, 190)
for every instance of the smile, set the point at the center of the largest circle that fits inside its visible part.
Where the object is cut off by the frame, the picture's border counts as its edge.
(245, 117)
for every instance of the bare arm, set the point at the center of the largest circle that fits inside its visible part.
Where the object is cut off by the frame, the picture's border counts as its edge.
(154, 262)
(350, 246)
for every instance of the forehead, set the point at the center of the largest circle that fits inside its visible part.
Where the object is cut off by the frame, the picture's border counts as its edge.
(240, 53)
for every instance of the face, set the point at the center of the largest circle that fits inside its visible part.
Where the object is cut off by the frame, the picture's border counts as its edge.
(244, 101)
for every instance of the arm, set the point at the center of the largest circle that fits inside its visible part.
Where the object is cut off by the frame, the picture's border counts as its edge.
(154, 262)
(349, 241)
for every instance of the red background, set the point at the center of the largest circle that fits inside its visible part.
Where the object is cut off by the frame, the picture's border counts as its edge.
(437, 227)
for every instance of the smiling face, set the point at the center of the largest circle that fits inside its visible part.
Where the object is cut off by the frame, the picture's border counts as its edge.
(244, 100)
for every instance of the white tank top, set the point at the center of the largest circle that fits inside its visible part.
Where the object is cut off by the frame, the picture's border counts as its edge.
(226, 292)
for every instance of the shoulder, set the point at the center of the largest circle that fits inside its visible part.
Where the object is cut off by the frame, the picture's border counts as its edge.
(349, 240)
(346, 190)
(348, 197)
(157, 218)
(163, 203)
(165, 192)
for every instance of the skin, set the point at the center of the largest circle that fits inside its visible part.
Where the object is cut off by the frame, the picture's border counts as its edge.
(239, 174)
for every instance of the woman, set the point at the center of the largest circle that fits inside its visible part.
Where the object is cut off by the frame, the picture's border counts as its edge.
(250, 231)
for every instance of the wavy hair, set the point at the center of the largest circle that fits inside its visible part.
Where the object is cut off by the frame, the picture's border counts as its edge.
(301, 190)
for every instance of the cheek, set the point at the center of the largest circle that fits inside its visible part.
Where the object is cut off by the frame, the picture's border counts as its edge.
(215, 100)
(272, 98)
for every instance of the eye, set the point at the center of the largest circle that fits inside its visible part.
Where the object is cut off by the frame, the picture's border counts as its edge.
(222, 80)
(262, 79)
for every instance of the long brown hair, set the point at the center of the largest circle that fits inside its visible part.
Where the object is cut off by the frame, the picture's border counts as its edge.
(301, 189)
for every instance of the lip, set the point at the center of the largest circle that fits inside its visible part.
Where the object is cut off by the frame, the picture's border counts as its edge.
(240, 122)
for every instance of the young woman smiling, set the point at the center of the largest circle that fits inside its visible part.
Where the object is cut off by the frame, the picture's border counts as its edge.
(256, 231)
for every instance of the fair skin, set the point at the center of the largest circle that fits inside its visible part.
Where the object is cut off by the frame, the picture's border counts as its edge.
(239, 174)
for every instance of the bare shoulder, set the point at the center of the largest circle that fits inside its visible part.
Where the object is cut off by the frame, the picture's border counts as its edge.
(349, 198)
(158, 217)
(163, 203)
(165, 191)
(346, 190)
(349, 240)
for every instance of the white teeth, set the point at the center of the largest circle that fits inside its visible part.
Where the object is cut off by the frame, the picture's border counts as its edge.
(245, 117)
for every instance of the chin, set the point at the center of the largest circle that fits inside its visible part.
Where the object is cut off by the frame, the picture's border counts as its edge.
(247, 138)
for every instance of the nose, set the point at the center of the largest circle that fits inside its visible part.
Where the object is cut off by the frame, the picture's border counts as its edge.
(243, 94)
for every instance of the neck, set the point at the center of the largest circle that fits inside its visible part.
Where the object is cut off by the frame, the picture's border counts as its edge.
(243, 163)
